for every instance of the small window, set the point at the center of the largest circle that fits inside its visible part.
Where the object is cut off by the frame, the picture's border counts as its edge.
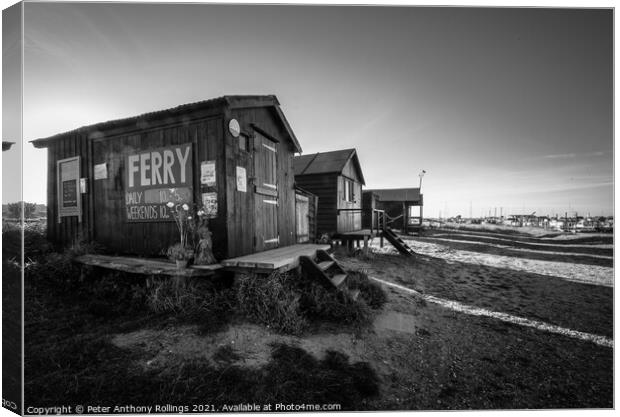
(349, 194)
(243, 143)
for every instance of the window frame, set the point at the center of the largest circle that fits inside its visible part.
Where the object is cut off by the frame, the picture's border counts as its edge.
(349, 190)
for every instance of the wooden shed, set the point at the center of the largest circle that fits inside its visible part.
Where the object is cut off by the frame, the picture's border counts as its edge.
(403, 206)
(110, 182)
(336, 179)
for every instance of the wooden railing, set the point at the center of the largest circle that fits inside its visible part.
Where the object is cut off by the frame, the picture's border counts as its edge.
(379, 221)
(392, 219)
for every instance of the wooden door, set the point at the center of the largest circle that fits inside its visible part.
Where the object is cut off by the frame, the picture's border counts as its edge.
(108, 193)
(350, 201)
(302, 206)
(265, 194)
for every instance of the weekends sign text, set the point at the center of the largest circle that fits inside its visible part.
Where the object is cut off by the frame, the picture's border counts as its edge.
(155, 177)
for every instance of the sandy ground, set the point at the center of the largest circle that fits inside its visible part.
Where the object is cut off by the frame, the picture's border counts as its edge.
(591, 274)
(541, 241)
(545, 245)
(513, 231)
(163, 349)
(253, 343)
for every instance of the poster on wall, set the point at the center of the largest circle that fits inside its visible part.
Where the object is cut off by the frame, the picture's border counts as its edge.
(69, 194)
(207, 173)
(101, 171)
(69, 201)
(209, 203)
(157, 182)
(241, 180)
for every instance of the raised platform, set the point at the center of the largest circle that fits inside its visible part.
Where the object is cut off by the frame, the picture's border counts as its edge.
(281, 259)
(356, 234)
(146, 266)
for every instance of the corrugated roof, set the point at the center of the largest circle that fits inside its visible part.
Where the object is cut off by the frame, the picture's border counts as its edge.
(231, 101)
(397, 194)
(326, 163)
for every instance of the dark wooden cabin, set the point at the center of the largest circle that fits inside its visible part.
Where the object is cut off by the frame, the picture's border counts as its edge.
(336, 179)
(110, 182)
(400, 206)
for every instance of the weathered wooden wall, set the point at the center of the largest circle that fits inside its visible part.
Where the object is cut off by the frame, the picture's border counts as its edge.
(369, 203)
(325, 187)
(330, 191)
(103, 206)
(351, 219)
(152, 238)
(310, 219)
(69, 230)
(242, 221)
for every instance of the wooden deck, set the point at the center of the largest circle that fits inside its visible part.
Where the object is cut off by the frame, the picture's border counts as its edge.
(281, 259)
(356, 234)
(146, 266)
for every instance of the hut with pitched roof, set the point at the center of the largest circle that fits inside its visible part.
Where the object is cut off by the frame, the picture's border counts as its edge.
(111, 182)
(336, 178)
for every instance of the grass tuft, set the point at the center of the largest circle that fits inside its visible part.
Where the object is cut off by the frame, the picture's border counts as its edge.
(191, 299)
(226, 355)
(288, 302)
(371, 292)
(270, 300)
(321, 304)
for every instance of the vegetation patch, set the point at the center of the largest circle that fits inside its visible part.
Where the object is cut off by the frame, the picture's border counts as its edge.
(288, 302)
(34, 240)
(370, 291)
(72, 311)
(322, 304)
(273, 301)
(187, 297)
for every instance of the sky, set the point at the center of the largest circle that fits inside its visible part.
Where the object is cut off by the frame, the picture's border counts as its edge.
(507, 109)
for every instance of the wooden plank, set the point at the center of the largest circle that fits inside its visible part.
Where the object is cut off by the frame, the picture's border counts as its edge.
(213, 267)
(265, 191)
(286, 257)
(145, 266)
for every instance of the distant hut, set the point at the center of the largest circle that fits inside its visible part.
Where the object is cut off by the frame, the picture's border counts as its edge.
(110, 182)
(400, 206)
(336, 179)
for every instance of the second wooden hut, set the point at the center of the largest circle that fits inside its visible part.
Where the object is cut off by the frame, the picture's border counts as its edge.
(336, 179)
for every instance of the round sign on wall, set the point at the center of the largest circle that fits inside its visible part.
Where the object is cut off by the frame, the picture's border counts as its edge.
(234, 128)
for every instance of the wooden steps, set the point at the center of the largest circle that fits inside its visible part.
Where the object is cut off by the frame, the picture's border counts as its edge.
(327, 272)
(325, 265)
(397, 242)
(338, 280)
